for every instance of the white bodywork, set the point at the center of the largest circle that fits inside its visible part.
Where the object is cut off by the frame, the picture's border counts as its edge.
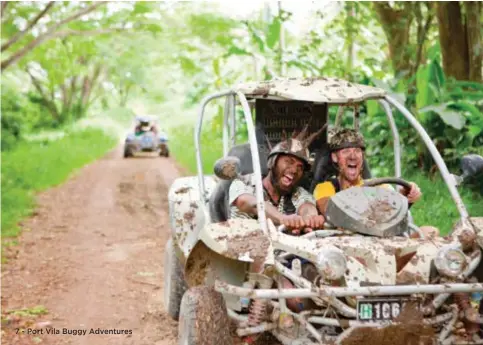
(320, 90)
(187, 212)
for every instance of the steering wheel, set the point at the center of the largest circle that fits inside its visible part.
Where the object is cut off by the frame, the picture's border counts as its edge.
(387, 180)
(398, 181)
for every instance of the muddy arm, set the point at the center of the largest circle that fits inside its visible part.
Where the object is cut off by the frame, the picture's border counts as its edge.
(248, 203)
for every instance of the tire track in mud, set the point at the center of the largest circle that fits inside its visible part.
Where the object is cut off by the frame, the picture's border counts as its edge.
(92, 254)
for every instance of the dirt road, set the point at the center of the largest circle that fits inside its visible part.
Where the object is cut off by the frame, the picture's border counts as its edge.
(92, 255)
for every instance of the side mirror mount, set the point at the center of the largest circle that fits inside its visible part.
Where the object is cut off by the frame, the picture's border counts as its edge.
(471, 166)
(227, 168)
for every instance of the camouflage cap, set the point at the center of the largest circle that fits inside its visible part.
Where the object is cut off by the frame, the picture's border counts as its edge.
(341, 138)
(296, 146)
(291, 147)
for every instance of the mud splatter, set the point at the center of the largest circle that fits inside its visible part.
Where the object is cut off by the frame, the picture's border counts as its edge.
(198, 265)
(256, 243)
(182, 190)
(377, 212)
(189, 216)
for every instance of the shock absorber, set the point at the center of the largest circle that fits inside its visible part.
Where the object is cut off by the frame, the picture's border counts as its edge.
(463, 301)
(259, 306)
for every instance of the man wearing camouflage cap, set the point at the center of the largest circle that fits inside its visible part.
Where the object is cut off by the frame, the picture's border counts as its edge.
(286, 202)
(347, 152)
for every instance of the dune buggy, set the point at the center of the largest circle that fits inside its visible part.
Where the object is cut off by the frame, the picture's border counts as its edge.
(366, 278)
(146, 137)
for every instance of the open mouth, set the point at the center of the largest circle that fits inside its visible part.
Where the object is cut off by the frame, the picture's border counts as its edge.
(287, 179)
(352, 169)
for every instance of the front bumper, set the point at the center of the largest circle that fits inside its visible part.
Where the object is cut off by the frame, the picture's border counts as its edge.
(137, 146)
(311, 322)
(346, 291)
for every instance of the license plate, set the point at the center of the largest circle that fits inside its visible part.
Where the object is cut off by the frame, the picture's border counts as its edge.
(380, 309)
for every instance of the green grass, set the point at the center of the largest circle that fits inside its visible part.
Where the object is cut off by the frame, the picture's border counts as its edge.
(182, 147)
(436, 207)
(35, 166)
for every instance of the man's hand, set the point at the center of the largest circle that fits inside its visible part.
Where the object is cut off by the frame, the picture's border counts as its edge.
(292, 222)
(314, 222)
(295, 223)
(413, 194)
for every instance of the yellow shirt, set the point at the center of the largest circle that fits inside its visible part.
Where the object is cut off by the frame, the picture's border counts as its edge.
(327, 189)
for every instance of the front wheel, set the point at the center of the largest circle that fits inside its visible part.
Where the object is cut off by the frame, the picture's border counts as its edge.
(127, 152)
(174, 283)
(203, 318)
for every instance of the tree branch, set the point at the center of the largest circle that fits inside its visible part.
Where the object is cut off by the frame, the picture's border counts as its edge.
(49, 104)
(474, 38)
(422, 35)
(65, 33)
(34, 21)
(396, 24)
(47, 35)
(95, 84)
(91, 84)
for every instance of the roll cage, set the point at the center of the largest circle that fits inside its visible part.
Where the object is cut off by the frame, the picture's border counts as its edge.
(260, 94)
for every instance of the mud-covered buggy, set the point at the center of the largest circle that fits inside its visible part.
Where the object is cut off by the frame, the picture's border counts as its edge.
(364, 277)
(146, 138)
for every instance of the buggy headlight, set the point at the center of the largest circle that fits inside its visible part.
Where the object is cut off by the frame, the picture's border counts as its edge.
(331, 264)
(450, 261)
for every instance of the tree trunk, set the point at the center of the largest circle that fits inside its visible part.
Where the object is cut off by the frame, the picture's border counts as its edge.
(49, 103)
(125, 95)
(281, 43)
(89, 84)
(422, 32)
(349, 27)
(73, 91)
(452, 38)
(473, 34)
(396, 24)
(4, 7)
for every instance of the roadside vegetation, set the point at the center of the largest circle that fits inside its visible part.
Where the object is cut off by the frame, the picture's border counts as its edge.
(33, 166)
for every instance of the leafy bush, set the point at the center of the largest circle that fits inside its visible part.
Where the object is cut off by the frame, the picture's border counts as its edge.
(19, 116)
